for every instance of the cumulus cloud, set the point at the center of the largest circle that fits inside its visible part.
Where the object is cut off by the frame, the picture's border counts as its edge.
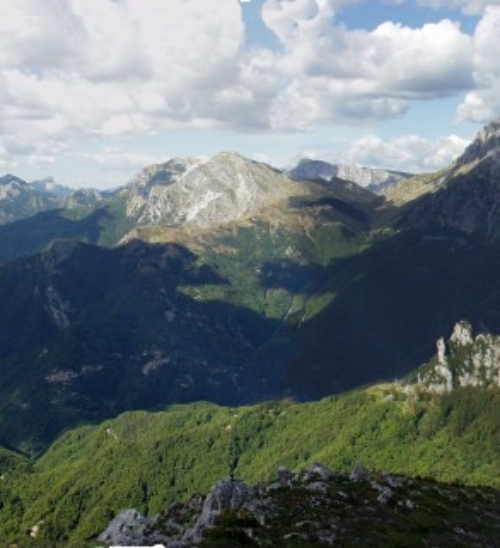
(409, 153)
(482, 104)
(331, 74)
(92, 69)
(470, 7)
(84, 68)
(114, 157)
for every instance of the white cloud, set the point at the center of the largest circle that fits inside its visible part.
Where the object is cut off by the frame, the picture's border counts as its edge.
(407, 153)
(331, 74)
(98, 69)
(73, 69)
(470, 7)
(113, 157)
(482, 104)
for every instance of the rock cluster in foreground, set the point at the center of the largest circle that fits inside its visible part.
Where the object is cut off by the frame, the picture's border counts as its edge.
(318, 507)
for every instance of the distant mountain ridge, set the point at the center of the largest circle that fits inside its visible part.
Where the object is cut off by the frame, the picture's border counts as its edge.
(22, 200)
(374, 179)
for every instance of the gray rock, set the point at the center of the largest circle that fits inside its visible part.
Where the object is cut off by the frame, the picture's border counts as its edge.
(317, 487)
(126, 529)
(360, 473)
(227, 495)
(386, 495)
(223, 189)
(284, 476)
(315, 472)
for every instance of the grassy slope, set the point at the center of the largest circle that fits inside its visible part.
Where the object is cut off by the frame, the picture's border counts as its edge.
(147, 460)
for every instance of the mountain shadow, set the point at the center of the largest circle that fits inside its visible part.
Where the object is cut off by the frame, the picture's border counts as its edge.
(32, 235)
(88, 332)
(391, 304)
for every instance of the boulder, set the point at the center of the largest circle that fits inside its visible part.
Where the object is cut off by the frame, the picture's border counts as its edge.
(228, 495)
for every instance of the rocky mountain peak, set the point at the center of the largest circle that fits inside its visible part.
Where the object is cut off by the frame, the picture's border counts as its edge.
(486, 144)
(166, 173)
(222, 189)
(51, 187)
(10, 179)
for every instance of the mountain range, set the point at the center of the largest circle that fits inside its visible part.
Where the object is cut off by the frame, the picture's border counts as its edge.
(232, 282)
(229, 281)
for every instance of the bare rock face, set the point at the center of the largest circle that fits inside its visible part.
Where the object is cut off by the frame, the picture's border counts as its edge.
(225, 188)
(228, 495)
(126, 529)
(486, 143)
(464, 360)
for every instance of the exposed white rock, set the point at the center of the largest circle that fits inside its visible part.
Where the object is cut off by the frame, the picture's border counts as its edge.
(57, 308)
(464, 361)
(462, 333)
(485, 144)
(225, 188)
(441, 351)
(126, 529)
(229, 494)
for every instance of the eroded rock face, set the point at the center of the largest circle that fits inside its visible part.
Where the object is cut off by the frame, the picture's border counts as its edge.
(464, 361)
(228, 495)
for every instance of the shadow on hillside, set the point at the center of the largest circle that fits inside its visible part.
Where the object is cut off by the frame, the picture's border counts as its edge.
(31, 235)
(296, 278)
(333, 207)
(391, 304)
(140, 333)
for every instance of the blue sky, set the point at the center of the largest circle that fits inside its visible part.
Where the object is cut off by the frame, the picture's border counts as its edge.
(92, 91)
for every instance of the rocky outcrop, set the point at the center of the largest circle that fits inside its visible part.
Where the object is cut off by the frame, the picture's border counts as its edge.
(464, 360)
(20, 200)
(319, 507)
(84, 197)
(126, 529)
(232, 500)
(228, 495)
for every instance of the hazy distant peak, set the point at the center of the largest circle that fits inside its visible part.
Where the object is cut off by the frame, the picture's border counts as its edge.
(373, 178)
(9, 179)
(51, 187)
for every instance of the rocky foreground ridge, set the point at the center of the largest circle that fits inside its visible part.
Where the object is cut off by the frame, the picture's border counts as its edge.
(319, 507)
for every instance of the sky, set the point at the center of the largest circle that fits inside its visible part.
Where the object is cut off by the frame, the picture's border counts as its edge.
(92, 91)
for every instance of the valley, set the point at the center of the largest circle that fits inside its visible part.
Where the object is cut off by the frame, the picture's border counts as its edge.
(220, 317)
